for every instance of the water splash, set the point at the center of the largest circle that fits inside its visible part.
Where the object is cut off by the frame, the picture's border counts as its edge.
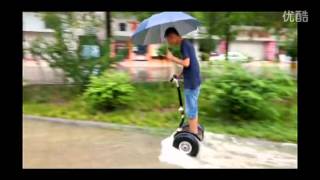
(171, 155)
(220, 151)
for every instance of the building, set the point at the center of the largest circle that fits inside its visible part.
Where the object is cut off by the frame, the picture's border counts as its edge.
(255, 42)
(122, 30)
(37, 72)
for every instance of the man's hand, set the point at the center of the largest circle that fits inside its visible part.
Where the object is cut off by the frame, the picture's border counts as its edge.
(184, 62)
(169, 55)
(178, 76)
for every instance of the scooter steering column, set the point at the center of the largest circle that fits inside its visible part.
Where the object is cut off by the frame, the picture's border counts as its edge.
(175, 80)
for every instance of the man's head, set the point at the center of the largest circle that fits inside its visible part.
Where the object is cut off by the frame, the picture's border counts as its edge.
(172, 36)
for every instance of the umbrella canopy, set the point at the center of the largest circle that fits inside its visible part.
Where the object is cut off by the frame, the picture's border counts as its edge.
(152, 29)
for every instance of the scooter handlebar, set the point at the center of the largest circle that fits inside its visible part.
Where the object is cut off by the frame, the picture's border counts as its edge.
(174, 79)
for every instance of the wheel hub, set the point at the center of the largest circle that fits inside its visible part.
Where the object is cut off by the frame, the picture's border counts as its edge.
(185, 147)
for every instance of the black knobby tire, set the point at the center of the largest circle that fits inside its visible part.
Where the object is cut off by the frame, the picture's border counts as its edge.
(189, 138)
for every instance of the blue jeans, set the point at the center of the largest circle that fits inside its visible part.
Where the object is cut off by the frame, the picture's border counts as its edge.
(191, 96)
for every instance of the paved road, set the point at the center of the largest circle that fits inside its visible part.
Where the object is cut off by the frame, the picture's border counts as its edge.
(57, 145)
(60, 145)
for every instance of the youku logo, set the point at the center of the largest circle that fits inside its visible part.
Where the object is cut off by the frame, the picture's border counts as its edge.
(295, 16)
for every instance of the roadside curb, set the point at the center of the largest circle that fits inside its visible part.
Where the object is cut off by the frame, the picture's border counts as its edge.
(87, 123)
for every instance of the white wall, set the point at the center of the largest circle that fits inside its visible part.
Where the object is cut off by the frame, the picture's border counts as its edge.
(249, 48)
(115, 28)
(31, 36)
(33, 22)
(39, 72)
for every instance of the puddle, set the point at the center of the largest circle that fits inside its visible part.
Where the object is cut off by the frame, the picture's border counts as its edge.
(218, 152)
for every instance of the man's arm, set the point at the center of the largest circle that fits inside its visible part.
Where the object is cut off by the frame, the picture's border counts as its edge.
(184, 62)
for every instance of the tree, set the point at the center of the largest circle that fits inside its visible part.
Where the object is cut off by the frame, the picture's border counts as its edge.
(108, 24)
(292, 50)
(220, 23)
(291, 45)
(140, 16)
(144, 15)
(65, 53)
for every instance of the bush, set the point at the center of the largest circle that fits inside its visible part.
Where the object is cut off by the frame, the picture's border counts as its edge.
(109, 91)
(174, 49)
(207, 45)
(204, 56)
(235, 94)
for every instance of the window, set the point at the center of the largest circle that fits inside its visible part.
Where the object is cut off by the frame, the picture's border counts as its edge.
(122, 26)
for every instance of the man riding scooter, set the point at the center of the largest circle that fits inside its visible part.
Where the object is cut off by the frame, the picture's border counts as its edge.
(190, 73)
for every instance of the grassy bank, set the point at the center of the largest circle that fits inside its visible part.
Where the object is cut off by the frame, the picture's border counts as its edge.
(155, 105)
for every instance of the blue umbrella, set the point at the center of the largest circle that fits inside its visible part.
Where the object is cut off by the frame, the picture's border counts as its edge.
(151, 30)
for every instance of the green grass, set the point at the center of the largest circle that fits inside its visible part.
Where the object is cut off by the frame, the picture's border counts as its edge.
(155, 105)
(151, 96)
(70, 111)
(49, 93)
(274, 131)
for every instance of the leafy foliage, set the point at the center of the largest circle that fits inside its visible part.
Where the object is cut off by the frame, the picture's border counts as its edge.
(63, 52)
(175, 50)
(291, 47)
(207, 45)
(236, 94)
(205, 56)
(109, 91)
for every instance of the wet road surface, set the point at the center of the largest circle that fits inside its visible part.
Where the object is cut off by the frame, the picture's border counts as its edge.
(60, 145)
(57, 145)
